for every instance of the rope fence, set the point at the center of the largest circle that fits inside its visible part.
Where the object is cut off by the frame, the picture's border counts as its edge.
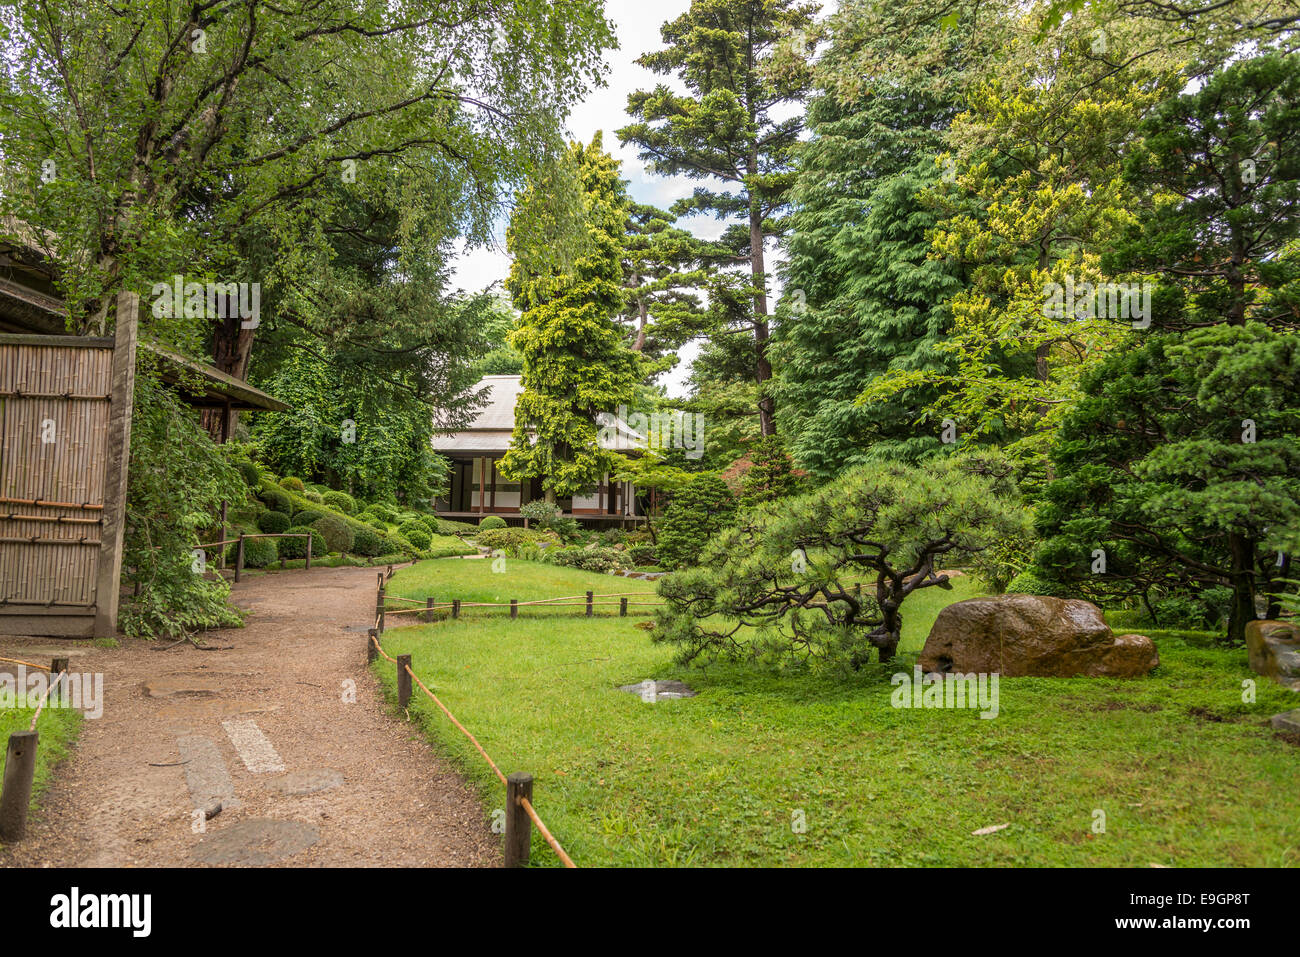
(20, 759)
(520, 813)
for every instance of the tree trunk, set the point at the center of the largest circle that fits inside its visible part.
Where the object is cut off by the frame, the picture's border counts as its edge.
(232, 345)
(1283, 572)
(762, 367)
(1243, 586)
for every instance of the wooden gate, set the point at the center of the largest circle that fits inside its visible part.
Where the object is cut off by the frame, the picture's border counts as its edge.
(65, 413)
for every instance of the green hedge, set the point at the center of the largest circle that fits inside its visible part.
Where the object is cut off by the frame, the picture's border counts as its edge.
(273, 522)
(292, 483)
(367, 542)
(341, 501)
(339, 535)
(258, 552)
(308, 515)
(297, 547)
(275, 498)
(417, 533)
(492, 521)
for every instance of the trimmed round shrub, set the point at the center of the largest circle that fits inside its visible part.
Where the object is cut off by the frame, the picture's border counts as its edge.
(273, 522)
(251, 474)
(313, 496)
(342, 501)
(378, 524)
(337, 533)
(643, 554)
(258, 552)
(276, 498)
(1029, 583)
(308, 515)
(385, 513)
(417, 534)
(297, 547)
(595, 558)
(492, 521)
(513, 538)
(367, 542)
(291, 483)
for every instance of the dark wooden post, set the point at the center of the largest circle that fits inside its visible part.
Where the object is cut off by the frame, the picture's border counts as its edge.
(58, 665)
(403, 681)
(379, 603)
(519, 826)
(622, 607)
(455, 608)
(371, 651)
(589, 594)
(239, 556)
(221, 551)
(108, 568)
(428, 604)
(16, 793)
(514, 607)
(309, 546)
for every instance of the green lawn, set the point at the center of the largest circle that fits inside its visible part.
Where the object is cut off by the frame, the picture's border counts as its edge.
(1185, 773)
(58, 728)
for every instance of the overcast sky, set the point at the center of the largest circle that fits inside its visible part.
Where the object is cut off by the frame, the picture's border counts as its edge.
(605, 110)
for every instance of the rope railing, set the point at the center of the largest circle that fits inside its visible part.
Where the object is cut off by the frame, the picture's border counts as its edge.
(20, 757)
(29, 664)
(518, 786)
(44, 698)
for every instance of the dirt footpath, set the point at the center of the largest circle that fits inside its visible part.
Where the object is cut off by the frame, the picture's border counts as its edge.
(305, 777)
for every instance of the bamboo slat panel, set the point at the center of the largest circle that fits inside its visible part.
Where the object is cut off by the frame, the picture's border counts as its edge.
(51, 449)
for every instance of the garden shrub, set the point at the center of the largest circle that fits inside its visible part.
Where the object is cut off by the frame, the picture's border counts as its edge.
(297, 547)
(1002, 561)
(378, 524)
(249, 471)
(492, 521)
(273, 522)
(771, 475)
(696, 513)
(385, 513)
(449, 527)
(338, 533)
(367, 542)
(291, 483)
(313, 496)
(308, 515)
(643, 554)
(258, 552)
(342, 501)
(1031, 583)
(275, 498)
(594, 558)
(512, 538)
(417, 534)
(547, 516)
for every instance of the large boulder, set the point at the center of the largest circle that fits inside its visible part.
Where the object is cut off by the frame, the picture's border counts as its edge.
(1016, 635)
(1274, 648)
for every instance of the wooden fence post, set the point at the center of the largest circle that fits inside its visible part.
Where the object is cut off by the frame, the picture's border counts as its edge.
(309, 540)
(589, 594)
(379, 603)
(455, 608)
(519, 826)
(239, 557)
(622, 608)
(428, 604)
(16, 794)
(371, 651)
(59, 664)
(403, 681)
(514, 607)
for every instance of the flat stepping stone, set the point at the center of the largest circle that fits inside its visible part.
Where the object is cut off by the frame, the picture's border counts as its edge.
(1286, 721)
(651, 691)
(307, 782)
(256, 842)
(206, 776)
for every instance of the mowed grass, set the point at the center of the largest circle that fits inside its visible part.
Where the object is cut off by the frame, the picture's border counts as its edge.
(58, 729)
(1185, 773)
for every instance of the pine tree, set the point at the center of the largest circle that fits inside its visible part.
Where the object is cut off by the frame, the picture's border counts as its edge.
(575, 363)
(741, 60)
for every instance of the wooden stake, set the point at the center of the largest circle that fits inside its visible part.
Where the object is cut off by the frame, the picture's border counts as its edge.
(239, 557)
(622, 607)
(514, 607)
(403, 681)
(20, 770)
(589, 599)
(428, 604)
(519, 826)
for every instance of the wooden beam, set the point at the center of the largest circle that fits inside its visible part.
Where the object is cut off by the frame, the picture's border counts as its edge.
(492, 464)
(482, 481)
(108, 572)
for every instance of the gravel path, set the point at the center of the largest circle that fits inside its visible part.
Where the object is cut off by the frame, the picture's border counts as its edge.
(306, 778)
